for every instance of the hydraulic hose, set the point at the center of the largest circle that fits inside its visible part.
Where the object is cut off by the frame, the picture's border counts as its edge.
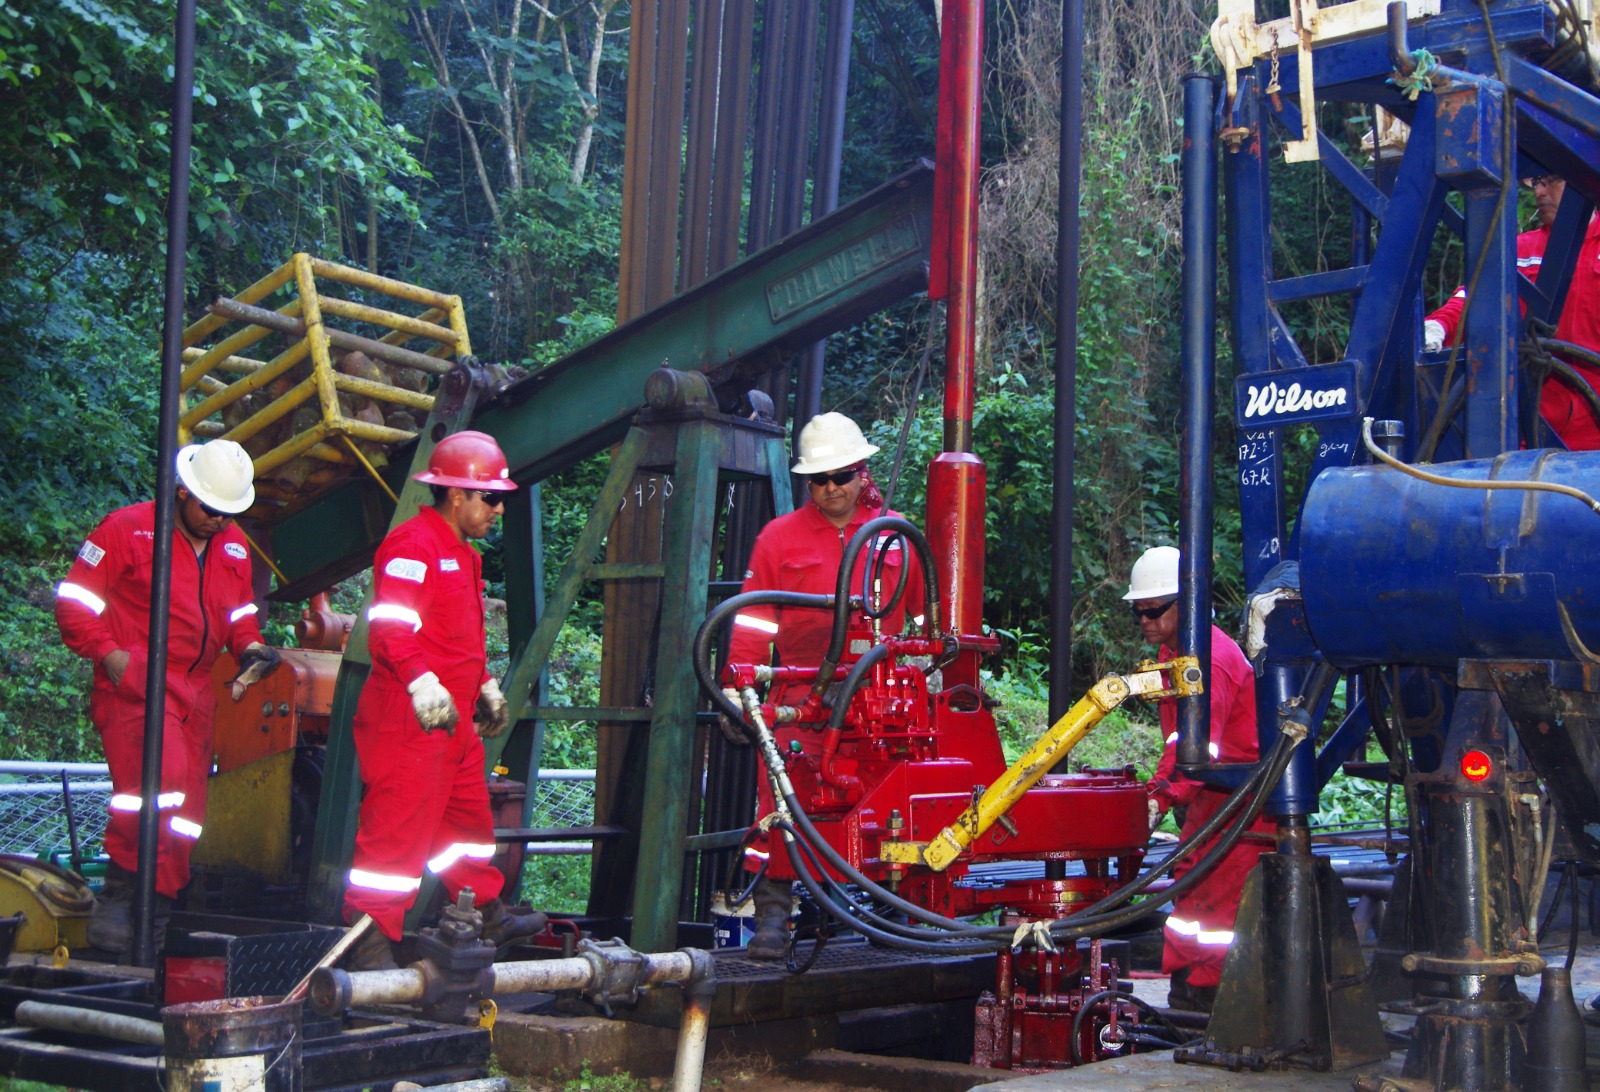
(847, 567)
(872, 573)
(701, 654)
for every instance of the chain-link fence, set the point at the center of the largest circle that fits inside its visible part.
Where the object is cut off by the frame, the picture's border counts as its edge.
(43, 805)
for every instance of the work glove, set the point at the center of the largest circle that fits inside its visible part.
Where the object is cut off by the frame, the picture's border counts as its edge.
(1432, 336)
(1153, 807)
(256, 662)
(732, 730)
(493, 715)
(435, 710)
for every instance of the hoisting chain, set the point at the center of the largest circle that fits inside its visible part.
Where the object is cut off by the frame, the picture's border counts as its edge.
(1273, 87)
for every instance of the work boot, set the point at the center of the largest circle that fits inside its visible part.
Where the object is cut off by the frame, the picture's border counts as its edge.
(372, 952)
(1189, 998)
(774, 902)
(502, 924)
(111, 920)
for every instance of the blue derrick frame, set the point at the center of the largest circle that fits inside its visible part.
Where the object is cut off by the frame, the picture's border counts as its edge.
(1456, 142)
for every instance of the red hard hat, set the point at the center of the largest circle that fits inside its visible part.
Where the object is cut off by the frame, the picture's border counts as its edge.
(470, 460)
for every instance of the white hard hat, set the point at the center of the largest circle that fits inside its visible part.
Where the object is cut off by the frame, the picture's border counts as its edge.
(219, 474)
(831, 441)
(1155, 574)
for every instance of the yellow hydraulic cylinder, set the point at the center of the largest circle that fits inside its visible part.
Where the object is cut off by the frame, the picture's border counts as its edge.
(1179, 677)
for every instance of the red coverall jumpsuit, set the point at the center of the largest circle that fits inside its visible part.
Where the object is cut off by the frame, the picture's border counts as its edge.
(1565, 410)
(104, 605)
(801, 552)
(427, 803)
(1200, 928)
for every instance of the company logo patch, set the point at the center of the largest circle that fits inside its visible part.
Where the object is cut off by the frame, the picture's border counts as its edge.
(90, 554)
(404, 568)
(236, 549)
(449, 565)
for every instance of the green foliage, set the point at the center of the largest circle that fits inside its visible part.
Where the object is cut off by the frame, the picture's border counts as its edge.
(586, 1081)
(44, 686)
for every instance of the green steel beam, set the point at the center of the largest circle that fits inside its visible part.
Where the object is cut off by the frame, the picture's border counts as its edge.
(740, 324)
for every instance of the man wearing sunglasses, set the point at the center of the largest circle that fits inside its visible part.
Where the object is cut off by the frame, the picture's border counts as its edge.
(1199, 930)
(103, 613)
(427, 804)
(801, 552)
(1563, 408)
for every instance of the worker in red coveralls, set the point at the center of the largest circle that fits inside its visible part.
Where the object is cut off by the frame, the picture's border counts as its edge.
(1565, 409)
(103, 612)
(801, 552)
(427, 800)
(1199, 930)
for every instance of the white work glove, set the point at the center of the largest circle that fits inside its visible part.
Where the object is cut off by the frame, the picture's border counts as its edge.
(256, 662)
(1432, 336)
(493, 715)
(435, 710)
(1153, 807)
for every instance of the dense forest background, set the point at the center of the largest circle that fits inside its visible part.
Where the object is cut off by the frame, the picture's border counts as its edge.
(476, 147)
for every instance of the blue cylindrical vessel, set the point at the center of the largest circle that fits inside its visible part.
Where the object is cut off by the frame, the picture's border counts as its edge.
(1397, 570)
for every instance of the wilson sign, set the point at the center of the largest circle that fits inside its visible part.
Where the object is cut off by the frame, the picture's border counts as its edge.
(1323, 392)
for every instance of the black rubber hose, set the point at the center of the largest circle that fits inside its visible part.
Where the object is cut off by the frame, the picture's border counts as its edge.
(704, 670)
(872, 574)
(847, 568)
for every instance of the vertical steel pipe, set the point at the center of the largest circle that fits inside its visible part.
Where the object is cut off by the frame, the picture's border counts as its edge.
(1199, 372)
(1069, 172)
(825, 180)
(962, 84)
(155, 707)
(699, 991)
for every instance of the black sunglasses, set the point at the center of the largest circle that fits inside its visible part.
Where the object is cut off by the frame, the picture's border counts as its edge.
(838, 477)
(212, 512)
(1541, 180)
(1152, 613)
(494, 498)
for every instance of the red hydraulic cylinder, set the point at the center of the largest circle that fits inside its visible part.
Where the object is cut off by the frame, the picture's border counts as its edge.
(954, 271)
(957, 491)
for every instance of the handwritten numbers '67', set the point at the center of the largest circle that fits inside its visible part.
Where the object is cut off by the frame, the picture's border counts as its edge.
(1255, 475)
(646, 490)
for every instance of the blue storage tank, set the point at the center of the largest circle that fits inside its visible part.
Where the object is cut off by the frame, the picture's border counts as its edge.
(1398, 570)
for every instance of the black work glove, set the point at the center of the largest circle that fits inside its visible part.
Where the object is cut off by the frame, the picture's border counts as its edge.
(255, 663)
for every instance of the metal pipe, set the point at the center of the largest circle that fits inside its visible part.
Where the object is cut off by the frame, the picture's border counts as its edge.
(1069, 170)
(825, 181)
(155, 706)
(284, 324)
(1399, 47)
(963, 26)
(107, 1025)
(694, 1026)
(1199, 372)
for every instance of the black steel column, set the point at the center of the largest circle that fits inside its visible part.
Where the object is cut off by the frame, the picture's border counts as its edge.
(155, 708)
(1069, 172)
(1199, 372)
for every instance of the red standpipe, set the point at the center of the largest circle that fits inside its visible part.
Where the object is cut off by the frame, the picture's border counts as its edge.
(957, 480)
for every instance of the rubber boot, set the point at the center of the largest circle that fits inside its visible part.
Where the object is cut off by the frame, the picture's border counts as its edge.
(372, 952)
(774, 902)
(1189, 998)
(502, 924)
(111, 921)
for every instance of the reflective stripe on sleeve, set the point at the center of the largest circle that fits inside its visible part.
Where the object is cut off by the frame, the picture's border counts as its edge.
(184, 827)
(127, 801)
(390, 612)
(1216, 937)
(377, 881)
(68, 590)
(1215, 750)
(750, 620)
(459, 850)
(243, 612)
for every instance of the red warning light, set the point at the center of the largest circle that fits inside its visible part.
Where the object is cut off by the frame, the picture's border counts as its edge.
(1475, 766)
